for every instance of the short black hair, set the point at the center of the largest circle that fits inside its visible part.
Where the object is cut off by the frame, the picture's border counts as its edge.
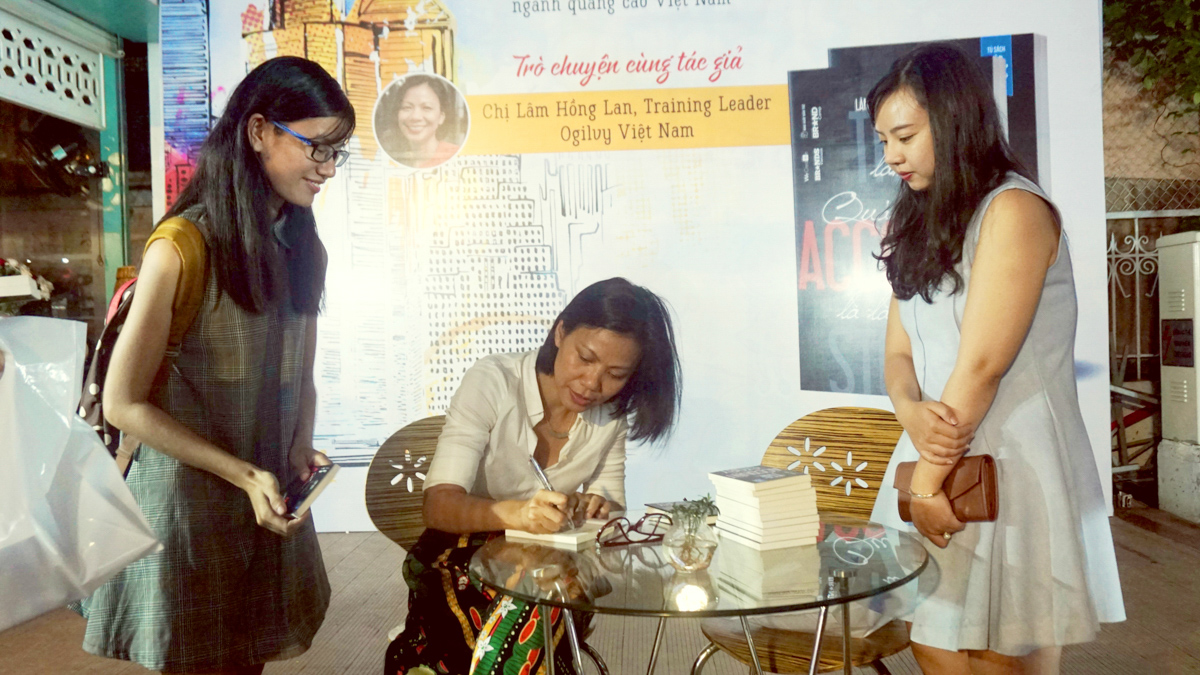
(652, 393)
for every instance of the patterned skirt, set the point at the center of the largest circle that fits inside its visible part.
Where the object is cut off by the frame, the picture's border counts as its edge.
(456, 626)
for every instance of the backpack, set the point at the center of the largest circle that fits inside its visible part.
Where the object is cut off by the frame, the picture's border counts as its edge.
(189, 296)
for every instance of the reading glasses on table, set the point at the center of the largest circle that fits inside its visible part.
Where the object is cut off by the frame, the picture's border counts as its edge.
(647, 530)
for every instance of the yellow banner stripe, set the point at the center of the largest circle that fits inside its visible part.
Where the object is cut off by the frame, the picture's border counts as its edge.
(641, 119)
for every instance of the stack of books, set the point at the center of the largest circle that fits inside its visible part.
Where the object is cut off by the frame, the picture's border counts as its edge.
(780, 576)
(766, 508)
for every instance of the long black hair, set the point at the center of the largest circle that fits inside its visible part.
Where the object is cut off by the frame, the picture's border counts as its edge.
(231, 186)
(924, 240)
(652, 393)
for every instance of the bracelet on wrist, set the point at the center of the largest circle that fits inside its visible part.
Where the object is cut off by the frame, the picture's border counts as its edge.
(931, 495)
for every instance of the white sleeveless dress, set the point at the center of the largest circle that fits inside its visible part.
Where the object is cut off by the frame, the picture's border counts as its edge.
(1045, 572)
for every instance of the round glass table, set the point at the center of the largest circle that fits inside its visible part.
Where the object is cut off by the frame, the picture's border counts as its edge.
(852, 560)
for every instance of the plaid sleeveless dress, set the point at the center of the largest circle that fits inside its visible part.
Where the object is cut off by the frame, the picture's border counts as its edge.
(223, 592)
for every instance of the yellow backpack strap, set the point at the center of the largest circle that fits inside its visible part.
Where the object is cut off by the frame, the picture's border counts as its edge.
(189, 291)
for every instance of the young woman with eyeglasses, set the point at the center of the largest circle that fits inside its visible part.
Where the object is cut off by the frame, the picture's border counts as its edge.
(609, 356)
(229, 419)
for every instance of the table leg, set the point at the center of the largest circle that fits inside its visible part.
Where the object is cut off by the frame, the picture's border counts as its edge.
(572, 635)
(657, 643)
(750, 643)
(816, 652)
(847, 666)
(573, 639)
(544, 614)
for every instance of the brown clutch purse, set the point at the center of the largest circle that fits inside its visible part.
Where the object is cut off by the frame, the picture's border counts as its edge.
(971, 487)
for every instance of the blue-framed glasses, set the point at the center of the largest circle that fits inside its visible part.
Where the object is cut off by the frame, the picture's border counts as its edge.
(320, 153)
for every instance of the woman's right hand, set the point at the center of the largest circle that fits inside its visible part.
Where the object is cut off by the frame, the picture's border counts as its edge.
(269, 505)
(543, 513)
(934, 429)
(934, 518)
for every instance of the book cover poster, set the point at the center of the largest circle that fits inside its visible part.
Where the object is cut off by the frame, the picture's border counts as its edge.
(844, 191)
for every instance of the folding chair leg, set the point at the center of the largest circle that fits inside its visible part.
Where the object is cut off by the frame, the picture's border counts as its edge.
(703, 657)
(595, 657)
(881, 668)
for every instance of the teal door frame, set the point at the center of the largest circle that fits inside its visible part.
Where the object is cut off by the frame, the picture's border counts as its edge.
(114, 152)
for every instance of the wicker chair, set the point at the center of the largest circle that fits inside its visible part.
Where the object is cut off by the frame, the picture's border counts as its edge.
(846, 451)
(396, 478)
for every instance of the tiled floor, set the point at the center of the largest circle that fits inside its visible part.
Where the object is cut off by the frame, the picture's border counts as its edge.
(1158, 556)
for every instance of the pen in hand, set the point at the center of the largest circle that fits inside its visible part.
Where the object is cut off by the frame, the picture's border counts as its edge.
(541, 476)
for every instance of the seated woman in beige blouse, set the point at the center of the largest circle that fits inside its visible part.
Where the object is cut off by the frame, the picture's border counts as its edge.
(610, 355)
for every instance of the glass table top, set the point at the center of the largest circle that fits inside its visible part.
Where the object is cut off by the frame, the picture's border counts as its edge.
(852, 559)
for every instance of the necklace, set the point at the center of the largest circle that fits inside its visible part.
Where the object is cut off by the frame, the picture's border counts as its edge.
(555, 434)
(550, 430)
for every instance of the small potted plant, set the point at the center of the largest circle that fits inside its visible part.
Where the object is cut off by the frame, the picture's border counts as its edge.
(690, 542)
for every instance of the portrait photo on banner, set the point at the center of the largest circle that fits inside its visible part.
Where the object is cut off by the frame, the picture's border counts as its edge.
(421, 120)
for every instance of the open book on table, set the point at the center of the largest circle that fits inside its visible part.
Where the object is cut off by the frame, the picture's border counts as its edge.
(575, 539)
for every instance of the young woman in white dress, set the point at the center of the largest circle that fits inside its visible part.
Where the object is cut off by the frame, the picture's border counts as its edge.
(980, 360)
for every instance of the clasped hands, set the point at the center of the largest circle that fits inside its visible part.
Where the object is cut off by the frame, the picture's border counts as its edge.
(549, 511)
(941, 439)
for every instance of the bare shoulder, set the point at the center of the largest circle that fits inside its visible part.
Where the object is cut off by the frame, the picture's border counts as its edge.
(1020, 212)
(1021, 222)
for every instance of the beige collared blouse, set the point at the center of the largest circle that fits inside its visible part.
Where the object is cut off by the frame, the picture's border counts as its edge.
(488, 438)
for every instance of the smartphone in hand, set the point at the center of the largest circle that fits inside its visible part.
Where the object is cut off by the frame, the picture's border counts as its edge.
(301, 494)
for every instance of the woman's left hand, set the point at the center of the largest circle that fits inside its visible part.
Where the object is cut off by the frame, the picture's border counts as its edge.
(934, 518)
(304, 459)
(592, 505)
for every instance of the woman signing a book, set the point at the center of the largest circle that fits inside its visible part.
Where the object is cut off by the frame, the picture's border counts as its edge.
(980, 361)
(608, 356)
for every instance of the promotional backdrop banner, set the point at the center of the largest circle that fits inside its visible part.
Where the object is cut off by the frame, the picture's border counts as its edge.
(719, 152)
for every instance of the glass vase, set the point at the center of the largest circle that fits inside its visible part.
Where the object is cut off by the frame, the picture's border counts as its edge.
(689, 543)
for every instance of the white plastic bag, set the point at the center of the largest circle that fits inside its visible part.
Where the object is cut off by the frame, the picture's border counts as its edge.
(67, 521)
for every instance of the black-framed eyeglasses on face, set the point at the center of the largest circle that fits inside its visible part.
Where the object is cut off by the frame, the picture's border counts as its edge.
(320, 153)
(619, 531)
